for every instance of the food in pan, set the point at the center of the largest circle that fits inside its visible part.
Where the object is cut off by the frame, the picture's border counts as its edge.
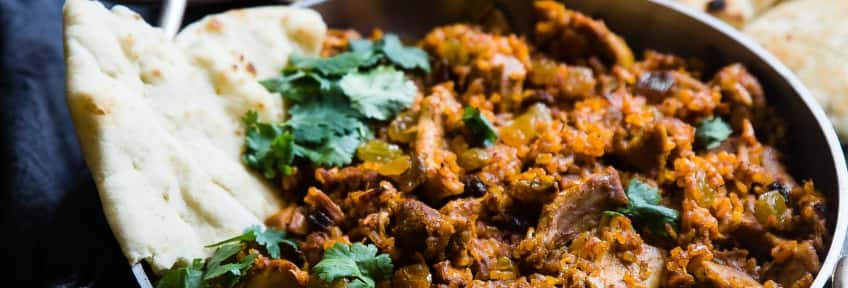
(260, 149)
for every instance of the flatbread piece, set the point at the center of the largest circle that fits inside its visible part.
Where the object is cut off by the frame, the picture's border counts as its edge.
(159, 120)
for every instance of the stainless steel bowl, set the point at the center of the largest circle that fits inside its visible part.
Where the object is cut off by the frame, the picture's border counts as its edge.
(812, 152)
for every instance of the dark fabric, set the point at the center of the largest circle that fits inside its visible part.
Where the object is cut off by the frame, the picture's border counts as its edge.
(53, 225)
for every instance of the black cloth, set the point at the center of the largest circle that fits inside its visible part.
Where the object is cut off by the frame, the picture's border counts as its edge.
(54, 230)
(53, 226)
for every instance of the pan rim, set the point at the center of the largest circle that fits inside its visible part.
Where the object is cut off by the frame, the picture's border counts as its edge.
(834, 250)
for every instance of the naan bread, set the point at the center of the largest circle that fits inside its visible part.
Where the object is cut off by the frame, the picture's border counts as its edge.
(734, 12)
(811, 38)
(159, 120)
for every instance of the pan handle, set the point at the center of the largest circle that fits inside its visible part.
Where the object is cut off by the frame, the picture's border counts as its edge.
(840, 274)
(172, 16)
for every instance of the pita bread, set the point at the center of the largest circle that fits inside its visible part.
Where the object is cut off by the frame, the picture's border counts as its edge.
(159, 120)
(734, 12)
(811, 38)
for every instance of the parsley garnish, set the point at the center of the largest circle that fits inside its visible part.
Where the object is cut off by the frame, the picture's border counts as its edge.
(391, 48)
(183, 277)
(270, 148)
(269, 238)
(194, 275)
(712, 132)
(332, 101)
(358, 263)
(380, 93)
(482, 131)
(644, 206)
(222, 267)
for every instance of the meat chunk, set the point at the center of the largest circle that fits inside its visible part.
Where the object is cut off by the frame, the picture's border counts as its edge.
(574, 37)
(421, 228)
(440, 166)
(533, 186)
(347, 178)
(646, 271)
(722, 276)
(276, 273)
(578, 208)
(454, 277)
(323, 211)
(739, 86)
(795, 262)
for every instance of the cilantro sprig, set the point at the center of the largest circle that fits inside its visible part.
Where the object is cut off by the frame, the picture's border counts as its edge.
(712, 132)
(391, 47)
(644, 206)
(190, 276)
(269, 238)
(482, 131)
(332, 101)
(224, 266)
(358, 263)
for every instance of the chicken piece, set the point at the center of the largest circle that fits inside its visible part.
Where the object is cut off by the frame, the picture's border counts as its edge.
(795, 262)
(578, 208)
(722, 276)
(646, 271)
(323, 212)
(519, 283)
(440, 166)
(534, 186)
(469, 54)
(492, 260)
(454, 277)
(420, 228)
(275, 273)
(462, 214)
(346, 179)
(739, 86)
(574, 37)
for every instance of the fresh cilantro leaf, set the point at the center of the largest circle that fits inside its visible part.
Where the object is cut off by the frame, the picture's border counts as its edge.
(361, 45)
(222, 253)
(358, 263)
(380, 93)
(270, 149)
(298, 85)
(183, 277)
(337, 65)
(338, 152)
(405, 57)
(712, 132)
(644, 205)
(482, 131)
(332, 99)
(236, 269)
(315, 122)
(269, 238)
(611, 213)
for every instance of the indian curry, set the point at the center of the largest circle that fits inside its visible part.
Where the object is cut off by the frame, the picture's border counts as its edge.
(480, 158)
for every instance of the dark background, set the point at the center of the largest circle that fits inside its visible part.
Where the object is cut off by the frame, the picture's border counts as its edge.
(54, 232)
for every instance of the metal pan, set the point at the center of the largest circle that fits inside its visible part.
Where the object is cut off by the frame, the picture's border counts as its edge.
(812, 152)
